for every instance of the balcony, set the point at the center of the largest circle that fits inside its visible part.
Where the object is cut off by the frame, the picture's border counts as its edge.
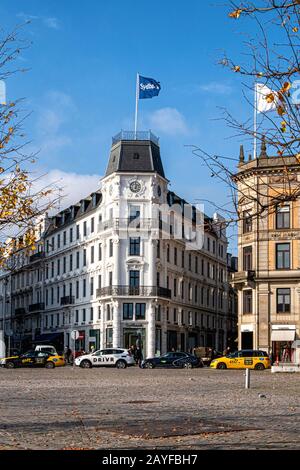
(20, 311)
(242, 279)
(36, 307)
(141, 291)
(67, 300)
(37, 257)
(128, 223)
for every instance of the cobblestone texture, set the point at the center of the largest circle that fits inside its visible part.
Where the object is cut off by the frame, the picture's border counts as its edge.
(148, 409)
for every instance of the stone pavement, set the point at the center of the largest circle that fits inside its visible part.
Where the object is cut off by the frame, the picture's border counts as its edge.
(148, 409)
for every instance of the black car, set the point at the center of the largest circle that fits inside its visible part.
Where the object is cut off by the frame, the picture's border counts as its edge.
(30, 359)
(173, 360)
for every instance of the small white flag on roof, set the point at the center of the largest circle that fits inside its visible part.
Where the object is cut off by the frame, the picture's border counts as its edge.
(2, 92)
(266, 99)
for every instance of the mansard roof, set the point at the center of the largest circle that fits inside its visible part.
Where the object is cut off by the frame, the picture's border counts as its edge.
(74, 212)
(135, 152)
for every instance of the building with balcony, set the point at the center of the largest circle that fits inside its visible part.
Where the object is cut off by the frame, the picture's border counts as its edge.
(126, 262)
(268, 277)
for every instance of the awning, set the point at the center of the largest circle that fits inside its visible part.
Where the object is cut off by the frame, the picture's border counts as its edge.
(46, 337)
(283, 335)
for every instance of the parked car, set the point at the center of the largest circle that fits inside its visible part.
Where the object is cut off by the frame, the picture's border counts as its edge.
(117, 357)
(243, 359)
(33, 359)
(46, 348)
(172, 359)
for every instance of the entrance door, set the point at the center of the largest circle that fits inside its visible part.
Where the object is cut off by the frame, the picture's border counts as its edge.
(130, 335)
(247, 340)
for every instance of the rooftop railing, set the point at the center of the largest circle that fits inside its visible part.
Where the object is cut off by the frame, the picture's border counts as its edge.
(138, 135)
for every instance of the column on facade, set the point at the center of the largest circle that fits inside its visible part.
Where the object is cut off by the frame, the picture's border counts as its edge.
(102, 325)
(116, 305)
(151, 309)
(164, 328)
(151, 330)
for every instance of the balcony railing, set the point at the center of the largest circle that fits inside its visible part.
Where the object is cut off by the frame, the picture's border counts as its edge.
(37, 256)
(139, 135)
(67, 300)
(141, 291)
(20, 311)
(36, 307)
(128, 223)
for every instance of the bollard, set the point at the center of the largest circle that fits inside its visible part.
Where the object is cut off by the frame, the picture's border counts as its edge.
(247, 378)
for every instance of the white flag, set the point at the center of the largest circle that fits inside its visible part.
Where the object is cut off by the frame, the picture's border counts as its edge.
(263, 105)
(2, 92)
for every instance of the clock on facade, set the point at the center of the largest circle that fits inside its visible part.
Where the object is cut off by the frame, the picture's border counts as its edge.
(135, 186)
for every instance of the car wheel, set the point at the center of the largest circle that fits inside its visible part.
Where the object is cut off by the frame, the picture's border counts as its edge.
(9, 365)
(221, 365)
(121, 364)
(149, 365)
(86, 364)
(187, 365)
(49, 365)
(259, 366)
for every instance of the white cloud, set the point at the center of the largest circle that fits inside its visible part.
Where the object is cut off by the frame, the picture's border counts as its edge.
(215, 87)
(49, 21)
(71, 187)
(56, 110)
(169, 121)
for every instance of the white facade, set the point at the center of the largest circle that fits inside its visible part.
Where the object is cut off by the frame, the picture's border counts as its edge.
(104, 270)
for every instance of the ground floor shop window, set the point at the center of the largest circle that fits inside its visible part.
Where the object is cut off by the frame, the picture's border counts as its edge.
(109, 337)
(94, 340)
(282, 351)
(171, 340)
(158, 342)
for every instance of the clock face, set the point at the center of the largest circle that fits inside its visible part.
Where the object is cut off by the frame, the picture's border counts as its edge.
(135, 186)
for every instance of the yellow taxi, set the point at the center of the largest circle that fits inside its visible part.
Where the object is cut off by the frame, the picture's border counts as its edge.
(244, 359)
(33, 359)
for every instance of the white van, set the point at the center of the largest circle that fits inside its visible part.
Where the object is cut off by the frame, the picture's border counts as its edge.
(46, 348)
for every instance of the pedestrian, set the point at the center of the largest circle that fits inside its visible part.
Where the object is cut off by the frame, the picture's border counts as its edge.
(138, 352)
(226, 351)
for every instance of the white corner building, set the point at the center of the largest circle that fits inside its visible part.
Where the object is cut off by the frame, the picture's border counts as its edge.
(114, 267)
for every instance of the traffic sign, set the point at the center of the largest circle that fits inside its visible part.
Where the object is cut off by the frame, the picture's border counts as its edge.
(75, 334)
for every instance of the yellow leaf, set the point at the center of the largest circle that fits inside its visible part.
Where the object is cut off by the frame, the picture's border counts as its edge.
(269, 98)
(235, 14)
(295, 29)
(298, 157)
(280, 110)
(285, 87)
(236, 68)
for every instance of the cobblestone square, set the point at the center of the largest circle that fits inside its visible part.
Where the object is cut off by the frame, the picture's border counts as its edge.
(148, 409)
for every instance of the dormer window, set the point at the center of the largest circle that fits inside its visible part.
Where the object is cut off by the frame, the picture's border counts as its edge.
(82, 208)
(136, 156)
(94, 198)
(72, 212)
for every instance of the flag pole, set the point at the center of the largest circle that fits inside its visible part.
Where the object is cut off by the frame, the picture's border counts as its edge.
(136, 104)
(255, 122)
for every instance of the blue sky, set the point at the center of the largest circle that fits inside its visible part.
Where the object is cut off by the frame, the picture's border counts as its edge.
(81, 84)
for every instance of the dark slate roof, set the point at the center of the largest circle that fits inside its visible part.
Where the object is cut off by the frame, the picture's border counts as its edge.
(74, 212)
(135, 156)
